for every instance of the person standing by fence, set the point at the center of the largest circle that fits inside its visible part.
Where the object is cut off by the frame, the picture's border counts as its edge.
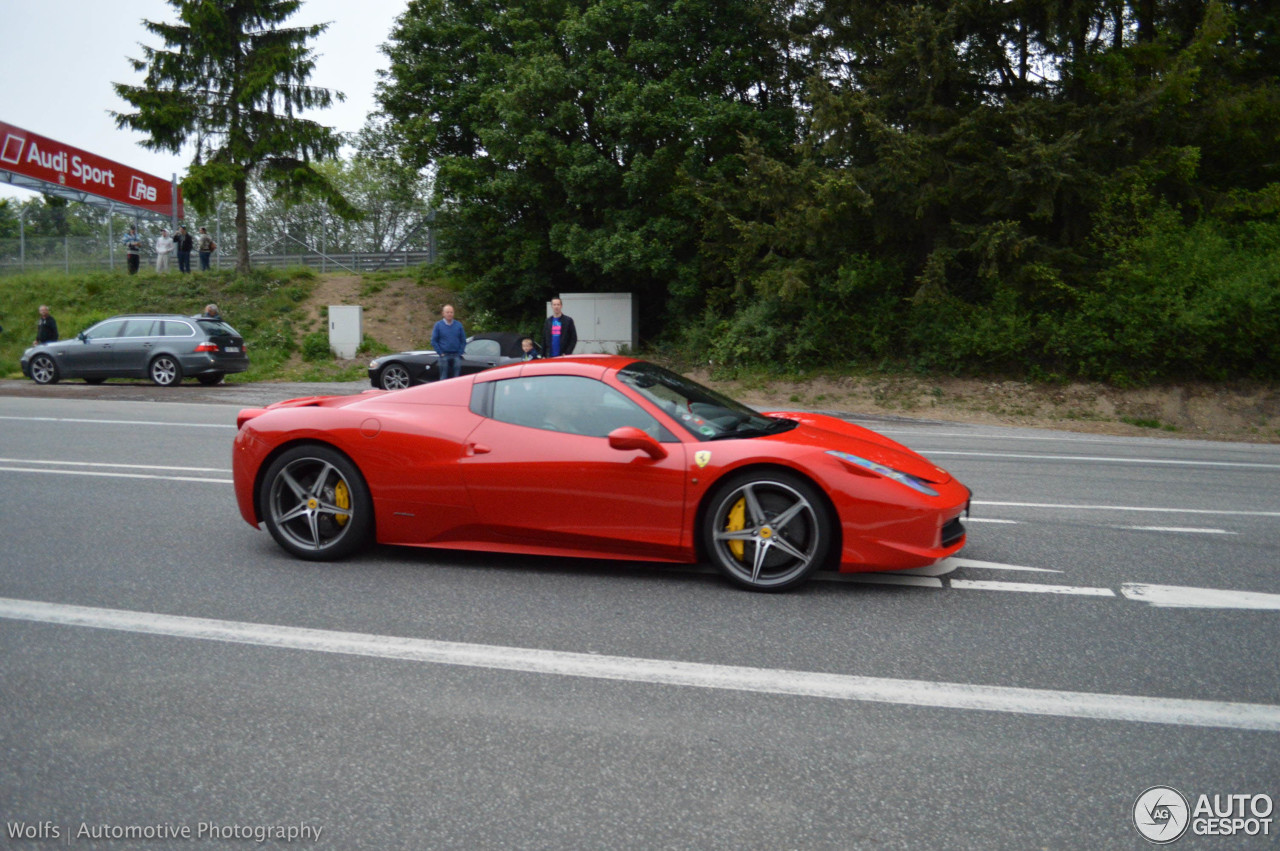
(204, 247)
(132, 249)
(185, 243)
(164, 247)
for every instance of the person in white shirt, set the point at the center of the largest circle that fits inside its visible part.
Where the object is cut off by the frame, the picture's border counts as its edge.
(164, 247)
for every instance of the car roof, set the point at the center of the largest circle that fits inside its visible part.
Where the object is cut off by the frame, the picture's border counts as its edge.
(148, 316)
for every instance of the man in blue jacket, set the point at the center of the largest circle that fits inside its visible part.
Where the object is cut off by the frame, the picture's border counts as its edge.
(449, 341)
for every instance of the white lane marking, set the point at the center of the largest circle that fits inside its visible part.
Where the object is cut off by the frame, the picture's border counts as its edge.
(112, 475)
(889, 579)
(1073, 590)
(1149, 509)
(991, 520)
(1176, 596)
(1105, 459)
(105, 464)
(995, 565)
(231, 426)
(1189, 530)
(1023, 701)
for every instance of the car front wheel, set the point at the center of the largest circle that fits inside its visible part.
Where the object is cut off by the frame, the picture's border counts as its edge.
(394, 377)
(166, 371)
(767, 531)
(44, 370)
(316, 504)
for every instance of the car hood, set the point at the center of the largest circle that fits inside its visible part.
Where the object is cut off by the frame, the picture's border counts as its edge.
(825, 433)
(61, 345)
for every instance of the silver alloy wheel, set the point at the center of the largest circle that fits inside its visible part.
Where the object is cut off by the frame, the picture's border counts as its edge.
(395, 377)
(767, 533)
(165, 371)
(311, 504)
(43, 370)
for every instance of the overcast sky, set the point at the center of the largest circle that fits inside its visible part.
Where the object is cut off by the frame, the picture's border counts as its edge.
(58, 59)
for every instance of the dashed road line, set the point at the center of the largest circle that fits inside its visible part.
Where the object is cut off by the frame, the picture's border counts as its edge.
(80, 420)
(1181, 530)
(1030, 588)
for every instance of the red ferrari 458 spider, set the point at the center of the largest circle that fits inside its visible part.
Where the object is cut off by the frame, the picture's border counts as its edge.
(596, 456)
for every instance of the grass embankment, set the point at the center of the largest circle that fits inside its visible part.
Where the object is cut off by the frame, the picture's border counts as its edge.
(266, 307)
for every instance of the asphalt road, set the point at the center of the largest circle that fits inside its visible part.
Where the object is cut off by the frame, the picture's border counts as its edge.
(1112, 626)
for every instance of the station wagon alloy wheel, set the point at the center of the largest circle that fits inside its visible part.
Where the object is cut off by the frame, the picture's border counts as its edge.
(166, 371)
(316, 504)
(767, 532)
(44, 370)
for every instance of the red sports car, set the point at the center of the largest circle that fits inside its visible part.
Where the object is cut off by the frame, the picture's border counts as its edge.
(596, 456)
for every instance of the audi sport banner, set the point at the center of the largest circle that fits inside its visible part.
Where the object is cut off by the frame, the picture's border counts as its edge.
(32, 155)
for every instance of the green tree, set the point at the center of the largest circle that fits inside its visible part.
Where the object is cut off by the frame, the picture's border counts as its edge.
(568, 136)
(392, 198)
(231, 79)
(8, 219)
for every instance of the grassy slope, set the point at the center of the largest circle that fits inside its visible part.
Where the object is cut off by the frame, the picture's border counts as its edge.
(266, 308)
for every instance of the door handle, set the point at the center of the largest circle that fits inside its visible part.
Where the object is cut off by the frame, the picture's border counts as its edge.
(477, 449)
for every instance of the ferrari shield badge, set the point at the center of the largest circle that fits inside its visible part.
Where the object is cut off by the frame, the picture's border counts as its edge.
(702, 457)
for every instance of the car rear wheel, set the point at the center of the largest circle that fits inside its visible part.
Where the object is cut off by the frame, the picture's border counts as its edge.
(767, 531)
(316, 504)
(165, 371)
(210, 380)
(44, 370)
(394, 377)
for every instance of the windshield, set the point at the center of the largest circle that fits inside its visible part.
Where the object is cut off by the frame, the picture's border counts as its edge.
(703, 412)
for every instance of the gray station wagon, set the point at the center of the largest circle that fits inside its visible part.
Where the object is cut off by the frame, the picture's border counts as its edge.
(163, 347)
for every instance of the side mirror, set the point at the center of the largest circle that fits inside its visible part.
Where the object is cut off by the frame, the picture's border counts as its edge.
(82, 337)
(630, 437)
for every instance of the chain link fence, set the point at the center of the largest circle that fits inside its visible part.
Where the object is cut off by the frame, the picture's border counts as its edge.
(93, 254)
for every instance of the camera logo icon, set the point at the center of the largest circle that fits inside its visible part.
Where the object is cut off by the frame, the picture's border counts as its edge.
(1161, 815)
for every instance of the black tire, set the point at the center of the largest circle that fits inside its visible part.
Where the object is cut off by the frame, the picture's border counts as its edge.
(44, 370)
(210, 379)
(768, 530)
(165, 371)
(94, 380)
(394, 376)
(301, 500)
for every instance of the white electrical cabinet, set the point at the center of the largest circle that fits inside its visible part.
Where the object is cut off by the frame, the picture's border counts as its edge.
(346, 329)
(606, 322)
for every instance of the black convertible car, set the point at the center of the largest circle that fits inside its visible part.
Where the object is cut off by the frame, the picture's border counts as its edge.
(405, 369)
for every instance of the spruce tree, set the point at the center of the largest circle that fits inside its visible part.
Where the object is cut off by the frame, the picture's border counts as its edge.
(231, 80)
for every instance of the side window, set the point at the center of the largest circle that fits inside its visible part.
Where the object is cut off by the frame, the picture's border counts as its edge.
(568, 404)
(174, 328)
(110, 328)
(141, 328)
(484, 349)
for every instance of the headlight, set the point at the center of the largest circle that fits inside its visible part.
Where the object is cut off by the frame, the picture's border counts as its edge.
(888, 472)
(373, 364)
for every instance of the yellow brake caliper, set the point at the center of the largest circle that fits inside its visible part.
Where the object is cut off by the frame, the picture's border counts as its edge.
(736, 522)
(342, 499)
